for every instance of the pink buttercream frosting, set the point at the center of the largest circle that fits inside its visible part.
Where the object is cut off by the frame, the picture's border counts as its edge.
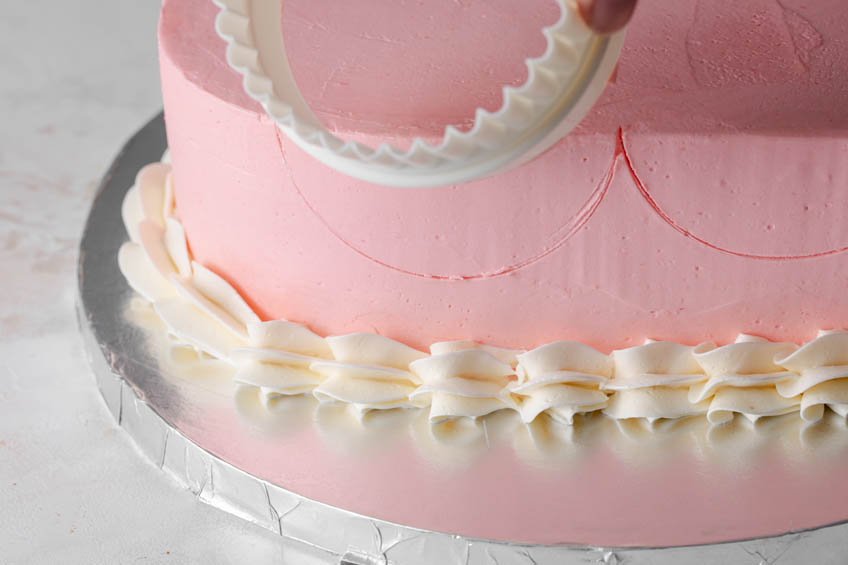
(701, 197)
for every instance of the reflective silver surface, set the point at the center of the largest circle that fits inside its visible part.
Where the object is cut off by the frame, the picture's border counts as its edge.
(612, 485)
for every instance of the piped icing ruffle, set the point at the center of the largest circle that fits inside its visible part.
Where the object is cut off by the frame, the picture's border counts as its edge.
(369, 372)
(278, 358)
(752, 377)
(463, 383)
(561, 379)
(743, 379)
(652, 381)
(819, 375)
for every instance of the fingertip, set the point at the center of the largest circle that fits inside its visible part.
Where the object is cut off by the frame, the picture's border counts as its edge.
(606, 16)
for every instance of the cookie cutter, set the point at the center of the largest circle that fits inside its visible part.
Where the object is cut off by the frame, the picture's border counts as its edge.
(562, 85)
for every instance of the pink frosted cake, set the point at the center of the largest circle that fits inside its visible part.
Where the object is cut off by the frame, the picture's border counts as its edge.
(701, 198)
(681, 253)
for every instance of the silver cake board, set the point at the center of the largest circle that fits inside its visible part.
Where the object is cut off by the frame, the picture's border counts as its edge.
(168, 419)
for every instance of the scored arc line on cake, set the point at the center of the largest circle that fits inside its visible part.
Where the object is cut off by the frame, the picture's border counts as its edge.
(570, 228)
(645, 192)
(465, 380)
(560, 236)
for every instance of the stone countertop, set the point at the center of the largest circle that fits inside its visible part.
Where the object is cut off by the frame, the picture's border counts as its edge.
(80, 78)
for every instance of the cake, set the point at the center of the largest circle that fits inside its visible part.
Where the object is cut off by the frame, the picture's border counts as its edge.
(681, 253)
(699, 201)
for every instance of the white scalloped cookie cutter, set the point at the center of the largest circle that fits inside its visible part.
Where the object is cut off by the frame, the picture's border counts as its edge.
(561, 86)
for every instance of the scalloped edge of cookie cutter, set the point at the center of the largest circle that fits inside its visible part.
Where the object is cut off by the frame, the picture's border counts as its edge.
(561, 86)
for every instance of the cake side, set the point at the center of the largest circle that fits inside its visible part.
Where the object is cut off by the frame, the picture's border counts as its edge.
(626, 230)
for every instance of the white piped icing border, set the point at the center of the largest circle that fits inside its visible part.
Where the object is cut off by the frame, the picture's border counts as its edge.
(752, 377)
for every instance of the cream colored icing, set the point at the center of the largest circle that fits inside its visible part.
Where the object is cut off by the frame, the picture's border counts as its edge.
(278, 359)
(370, 372)
(652, 381)
(820, 375)
(743, 379)
(465, 383)
(562, 378)
(753, 377)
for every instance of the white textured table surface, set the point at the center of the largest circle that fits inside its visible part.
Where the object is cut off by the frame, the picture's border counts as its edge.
(78, 79)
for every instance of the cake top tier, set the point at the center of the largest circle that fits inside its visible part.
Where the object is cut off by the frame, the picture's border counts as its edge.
(409, 68)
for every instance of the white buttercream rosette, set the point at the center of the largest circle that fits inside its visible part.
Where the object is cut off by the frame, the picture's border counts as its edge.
(278, 359)
(560, 379)
(368, 372)
(742, 380)
(652, 381)
(820, 375)
(463, 380)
